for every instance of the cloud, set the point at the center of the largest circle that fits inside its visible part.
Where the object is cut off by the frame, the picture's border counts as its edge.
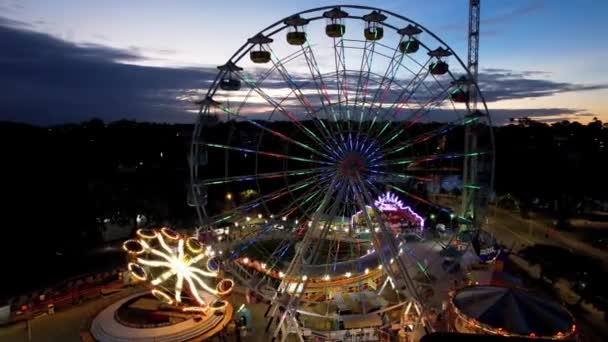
(502, 84)
(45, 80)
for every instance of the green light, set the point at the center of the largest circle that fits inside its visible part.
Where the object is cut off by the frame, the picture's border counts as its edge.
(432, 216)
(470, 186)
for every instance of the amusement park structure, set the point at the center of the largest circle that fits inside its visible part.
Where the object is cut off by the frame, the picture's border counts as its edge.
(330, 114)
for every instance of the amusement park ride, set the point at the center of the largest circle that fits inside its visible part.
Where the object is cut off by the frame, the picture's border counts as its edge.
(352, 117)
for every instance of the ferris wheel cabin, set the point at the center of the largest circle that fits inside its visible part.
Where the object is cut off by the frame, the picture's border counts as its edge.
(373, 25)
(335, 27)
(439, 66)
(411, 44)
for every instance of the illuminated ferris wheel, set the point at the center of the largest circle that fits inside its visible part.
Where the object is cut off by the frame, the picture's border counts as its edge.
(345, 125)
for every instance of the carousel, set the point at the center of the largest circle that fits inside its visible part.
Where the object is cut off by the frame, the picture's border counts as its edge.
(493, 310)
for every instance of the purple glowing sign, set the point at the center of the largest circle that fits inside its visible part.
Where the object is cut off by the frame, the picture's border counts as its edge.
(390, 202)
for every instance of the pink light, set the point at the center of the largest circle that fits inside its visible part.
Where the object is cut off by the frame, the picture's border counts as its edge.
(390, 202)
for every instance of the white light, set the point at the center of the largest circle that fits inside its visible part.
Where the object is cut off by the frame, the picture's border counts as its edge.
(326, 277)
(241, 307)
(259, 216)
(304, 277)
(367, 271)
(281, 274)
(247, 218)
(284, 218)
(392, 260)
(309, 224)
(348, 274)
(271, 216)
(246, 260)
(380, 266)
(296, 221)
(184, 267)
(236, 224)
(263, 266)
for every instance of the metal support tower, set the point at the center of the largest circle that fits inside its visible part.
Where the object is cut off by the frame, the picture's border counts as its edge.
(469, 179)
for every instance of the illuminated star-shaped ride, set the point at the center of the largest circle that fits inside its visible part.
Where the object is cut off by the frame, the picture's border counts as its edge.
(175, 267)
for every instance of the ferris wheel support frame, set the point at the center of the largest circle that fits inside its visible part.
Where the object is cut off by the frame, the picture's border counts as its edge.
(469, 200)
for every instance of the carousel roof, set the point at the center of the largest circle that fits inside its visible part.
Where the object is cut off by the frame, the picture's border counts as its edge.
(514, 310)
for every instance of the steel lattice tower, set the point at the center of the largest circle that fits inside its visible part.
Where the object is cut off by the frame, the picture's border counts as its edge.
(470, 163)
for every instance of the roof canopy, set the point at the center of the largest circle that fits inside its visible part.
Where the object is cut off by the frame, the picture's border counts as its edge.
(514, 310)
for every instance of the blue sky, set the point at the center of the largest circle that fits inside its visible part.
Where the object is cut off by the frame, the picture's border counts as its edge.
(565, 40)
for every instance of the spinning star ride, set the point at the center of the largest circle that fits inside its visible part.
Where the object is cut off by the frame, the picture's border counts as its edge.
(176, 268)
(320, 114)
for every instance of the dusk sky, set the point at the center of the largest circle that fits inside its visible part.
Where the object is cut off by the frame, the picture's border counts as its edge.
(69, 60)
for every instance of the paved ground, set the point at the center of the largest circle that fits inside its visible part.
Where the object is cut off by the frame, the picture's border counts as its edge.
(64, 325)
(515, 231)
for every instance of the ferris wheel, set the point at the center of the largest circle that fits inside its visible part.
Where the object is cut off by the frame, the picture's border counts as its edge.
(331, 144)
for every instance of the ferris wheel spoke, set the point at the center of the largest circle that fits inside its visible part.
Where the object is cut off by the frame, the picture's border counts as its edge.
(409, 90)
(307, 196)
(384, 87)
(362, 84)
(273, 132)
(303, 99)
(327, 226)
(443, 130)
(268, 197)
(396, 177)
(416, 197)
(376, 238)
(266, 175)
(341, 86)
(278, 107)
(398, 104)
(414, 118)
(393, 248)
(428, 158)
(268, 154)
(322, 91)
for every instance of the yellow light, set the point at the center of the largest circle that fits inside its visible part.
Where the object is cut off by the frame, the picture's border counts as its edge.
(162, 296)
(124, 247)
(146, 233)
(247, 218)
(133, 274)
(228, 196)
(170, 233)
(222, 284)
(194, 245)
(202, 308)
